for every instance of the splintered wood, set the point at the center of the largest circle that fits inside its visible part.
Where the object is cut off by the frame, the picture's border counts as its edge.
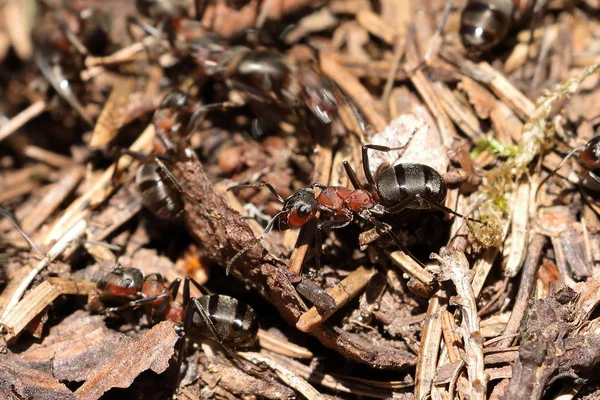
(127, 129)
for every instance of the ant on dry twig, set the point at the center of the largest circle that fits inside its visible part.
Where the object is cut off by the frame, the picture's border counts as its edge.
(394, 189)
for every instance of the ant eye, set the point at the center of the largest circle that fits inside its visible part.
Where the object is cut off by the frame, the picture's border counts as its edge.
(303, 211)
(300, 215)
(237, 324)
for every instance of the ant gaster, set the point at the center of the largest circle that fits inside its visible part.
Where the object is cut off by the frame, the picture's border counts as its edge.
(224, 319)
(484, 23)
(394, 189)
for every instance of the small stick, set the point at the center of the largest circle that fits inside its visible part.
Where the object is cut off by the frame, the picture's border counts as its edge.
(348, 288)
(74, 234)
(18, 26)
(286, 375)
(528, 278)
(425, 89)
(431, 336)
(408, 265)
(38, 299)
(100, 189)
(56, 194)
(455, 267)
(355, 90)
(47, 157)
(264, 13)
(391, 78)
(22, 118)
(344, 384)
(376, 25)
(282, 346)
(124, 55)
(519, 228)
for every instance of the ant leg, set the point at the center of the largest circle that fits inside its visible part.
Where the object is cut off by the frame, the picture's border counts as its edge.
(396, 209)
(558, 167)
(174, 180)
(198, 286)
(187, 325)
(174, 287)
(196, 306)
(155, 275)
(351, 175)
(377, 147)
(334, 224)
(258, 185)
(186, 290)
(138, 302)
(386, 229)
(435, 40)
(4, 213)
(254, 242)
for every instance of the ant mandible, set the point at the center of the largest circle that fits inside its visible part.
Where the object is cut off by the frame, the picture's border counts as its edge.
(394, 189)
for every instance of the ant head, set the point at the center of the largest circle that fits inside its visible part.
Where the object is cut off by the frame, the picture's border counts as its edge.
(298, 209)
(122, 281)
(590, 155)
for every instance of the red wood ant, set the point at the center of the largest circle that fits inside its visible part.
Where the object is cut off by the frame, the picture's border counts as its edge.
(224, 319)
(264, 78)
(394, 189)
(174, 119)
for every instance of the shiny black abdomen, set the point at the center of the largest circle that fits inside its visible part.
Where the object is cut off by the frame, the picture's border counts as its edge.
(235, 322)
(484, 23)
(159, 194)
(405, 180)
(265, 72)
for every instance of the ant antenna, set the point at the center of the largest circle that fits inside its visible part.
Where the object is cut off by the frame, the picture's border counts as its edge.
(4, 213)
(254, 242)
(559, 166)
(258, 185)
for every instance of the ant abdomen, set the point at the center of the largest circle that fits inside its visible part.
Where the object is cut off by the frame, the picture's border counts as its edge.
(405, 181)
(158, 193)
(235, 322)
(484, 23)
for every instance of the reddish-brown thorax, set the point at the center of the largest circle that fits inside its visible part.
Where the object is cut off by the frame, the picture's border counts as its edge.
(165, 306)
(340, 198)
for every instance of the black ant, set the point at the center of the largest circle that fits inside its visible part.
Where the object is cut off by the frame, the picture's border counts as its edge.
(264, 78)
(160, 191)
(224, 319)
(589, 159)
(394, 189)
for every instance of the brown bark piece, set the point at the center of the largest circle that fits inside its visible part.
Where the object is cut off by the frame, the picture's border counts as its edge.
(220, 233)
(18, 380)
(152, 351)
(77, 347)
